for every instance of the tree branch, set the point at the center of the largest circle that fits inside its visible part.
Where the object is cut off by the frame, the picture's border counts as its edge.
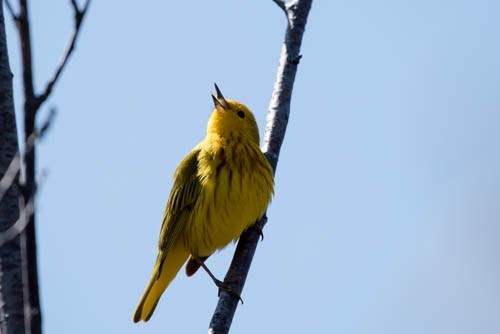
(26, 211)
(15, 16)
(79, 15)
(11, 287)
(277, 120)
(15, 164)
(32, 103)
(281, 4)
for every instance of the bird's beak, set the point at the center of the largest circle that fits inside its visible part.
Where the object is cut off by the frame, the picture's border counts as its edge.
(220, 102)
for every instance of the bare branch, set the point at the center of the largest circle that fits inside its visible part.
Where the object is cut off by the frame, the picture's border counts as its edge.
(75, 6)
(277, 120)
(281, 4)
(30, 312)
(12, 316)
(10, 175)
(79, 15)
(15, 164)
(47, 123)
(11, 10)
(18, 227)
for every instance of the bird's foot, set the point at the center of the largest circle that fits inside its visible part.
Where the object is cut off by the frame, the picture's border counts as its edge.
(224, 286)
(259, 230)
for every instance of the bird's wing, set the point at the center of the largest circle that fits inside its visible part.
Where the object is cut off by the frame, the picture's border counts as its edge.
(183, 196)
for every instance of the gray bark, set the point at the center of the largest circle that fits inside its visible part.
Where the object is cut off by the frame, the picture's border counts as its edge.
(296, 12)
(32, 103)
(11, 284)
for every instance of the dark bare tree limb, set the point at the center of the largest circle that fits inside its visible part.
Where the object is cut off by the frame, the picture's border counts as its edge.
(31, 105)
(26, 211)
(11, 174)
(29, 265)
(277, 119)
(79, 15)
(15, 16)
(11, 287)
(281, 4)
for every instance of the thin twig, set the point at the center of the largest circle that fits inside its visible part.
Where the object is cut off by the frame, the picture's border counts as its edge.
(26, 211)
(75, 5)
(79, 15)
(15, 164)
(281, 4)
(10, 175)
(15, 16)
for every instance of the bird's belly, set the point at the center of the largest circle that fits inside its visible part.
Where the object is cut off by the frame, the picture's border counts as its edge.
(228, 206)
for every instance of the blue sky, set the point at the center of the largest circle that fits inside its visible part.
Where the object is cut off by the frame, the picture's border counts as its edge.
(385, 217)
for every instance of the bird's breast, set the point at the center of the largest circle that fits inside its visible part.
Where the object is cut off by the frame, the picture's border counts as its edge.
(237, 185)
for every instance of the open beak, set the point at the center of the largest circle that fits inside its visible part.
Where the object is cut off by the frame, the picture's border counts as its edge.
(220, 102)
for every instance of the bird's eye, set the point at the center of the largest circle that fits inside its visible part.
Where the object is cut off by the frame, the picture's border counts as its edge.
(241, 114)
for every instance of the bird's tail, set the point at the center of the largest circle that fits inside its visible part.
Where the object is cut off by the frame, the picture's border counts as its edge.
(176, 257)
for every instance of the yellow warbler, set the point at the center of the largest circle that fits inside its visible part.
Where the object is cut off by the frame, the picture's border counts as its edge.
(220, 189)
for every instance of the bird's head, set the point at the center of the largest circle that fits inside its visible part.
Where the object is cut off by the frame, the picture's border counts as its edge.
(232, 120)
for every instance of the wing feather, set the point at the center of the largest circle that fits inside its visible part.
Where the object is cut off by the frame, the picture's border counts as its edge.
(183, 196)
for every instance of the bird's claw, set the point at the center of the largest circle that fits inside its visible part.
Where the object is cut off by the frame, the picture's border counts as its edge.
(223, 286)
(259, 230)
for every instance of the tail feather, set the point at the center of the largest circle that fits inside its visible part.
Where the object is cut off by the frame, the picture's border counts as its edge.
(176, 257)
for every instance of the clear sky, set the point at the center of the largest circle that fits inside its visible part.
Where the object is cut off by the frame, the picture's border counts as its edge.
(386, 212)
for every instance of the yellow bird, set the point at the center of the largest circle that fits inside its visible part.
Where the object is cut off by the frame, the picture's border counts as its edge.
(220, 189)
